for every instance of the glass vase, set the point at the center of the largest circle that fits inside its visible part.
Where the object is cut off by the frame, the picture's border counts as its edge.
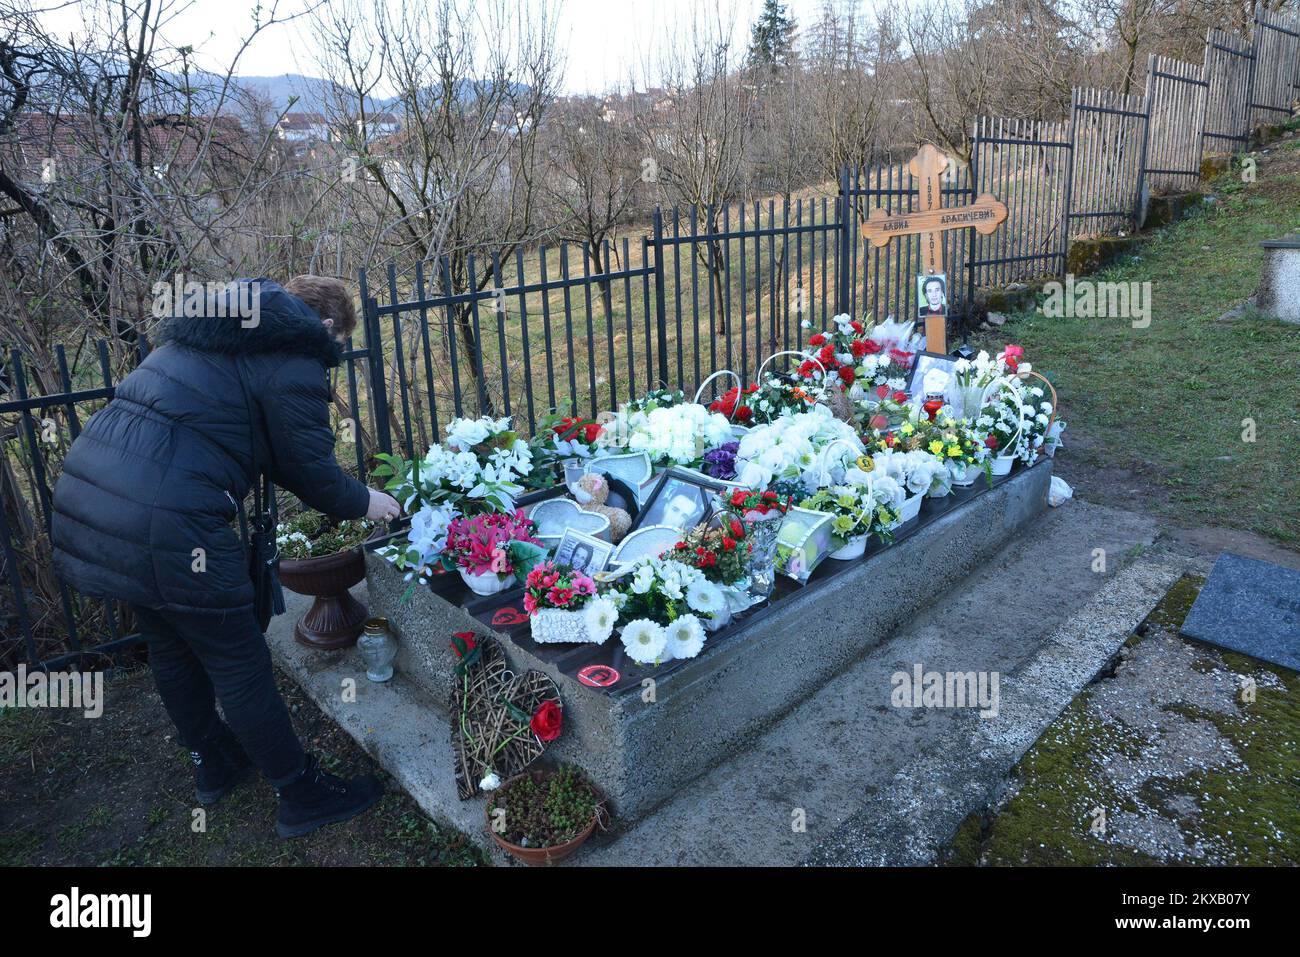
(378, 648)
(762, 537)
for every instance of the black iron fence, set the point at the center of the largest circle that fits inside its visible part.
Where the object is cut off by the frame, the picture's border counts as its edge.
(582, 329)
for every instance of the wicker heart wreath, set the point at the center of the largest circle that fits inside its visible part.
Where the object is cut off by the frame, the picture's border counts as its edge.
(501, 722)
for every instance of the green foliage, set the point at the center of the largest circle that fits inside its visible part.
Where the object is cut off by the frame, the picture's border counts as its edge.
(545, 813)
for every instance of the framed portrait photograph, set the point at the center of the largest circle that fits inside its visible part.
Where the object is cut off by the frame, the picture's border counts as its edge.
(582, 552)
(681, 499)
(931, 295)
(927, 362)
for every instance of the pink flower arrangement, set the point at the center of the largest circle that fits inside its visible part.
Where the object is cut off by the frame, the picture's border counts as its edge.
(550, 585)
(481, 544)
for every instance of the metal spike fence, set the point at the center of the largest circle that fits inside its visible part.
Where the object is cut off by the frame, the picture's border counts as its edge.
(581, 330)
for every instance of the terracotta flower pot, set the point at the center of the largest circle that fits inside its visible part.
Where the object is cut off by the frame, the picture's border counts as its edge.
(335, 619)
(538, 856)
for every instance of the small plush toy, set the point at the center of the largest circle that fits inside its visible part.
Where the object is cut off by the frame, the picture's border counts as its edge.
(590, 495)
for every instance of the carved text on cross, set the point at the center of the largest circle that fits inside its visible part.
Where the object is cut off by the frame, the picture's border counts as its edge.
(985, 214)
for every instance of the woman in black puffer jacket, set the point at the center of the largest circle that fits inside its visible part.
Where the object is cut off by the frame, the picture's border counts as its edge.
(144, 508)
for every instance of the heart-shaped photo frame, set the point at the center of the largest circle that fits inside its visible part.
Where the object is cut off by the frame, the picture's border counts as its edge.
(501, 722)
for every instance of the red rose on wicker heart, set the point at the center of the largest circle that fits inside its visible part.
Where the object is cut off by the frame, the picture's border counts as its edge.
(547, 722)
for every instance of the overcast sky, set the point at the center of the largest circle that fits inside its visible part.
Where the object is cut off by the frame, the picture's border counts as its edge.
(604, 41)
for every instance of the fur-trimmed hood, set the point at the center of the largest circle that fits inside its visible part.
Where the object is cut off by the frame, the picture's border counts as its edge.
(249, 317)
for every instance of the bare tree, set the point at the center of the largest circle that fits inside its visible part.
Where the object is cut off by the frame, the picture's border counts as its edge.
(695, 124)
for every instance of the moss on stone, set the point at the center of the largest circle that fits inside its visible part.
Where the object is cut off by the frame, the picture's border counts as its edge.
(1244, 812)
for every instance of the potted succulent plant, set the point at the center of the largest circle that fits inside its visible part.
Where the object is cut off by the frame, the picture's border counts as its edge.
(322, 558)
(540, 817)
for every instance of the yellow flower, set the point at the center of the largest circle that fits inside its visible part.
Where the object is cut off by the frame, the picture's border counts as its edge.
(936, 447)
(906, 428)
(954, 451)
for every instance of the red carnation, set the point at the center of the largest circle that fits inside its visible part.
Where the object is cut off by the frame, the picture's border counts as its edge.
(992, 441)
(847, 375)
(859, 348)
(873, 346)
(816, 340)
(728, 543)
(737, 529)
(547, 721)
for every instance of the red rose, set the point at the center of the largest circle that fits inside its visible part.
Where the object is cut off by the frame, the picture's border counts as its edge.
(592, 432)
(882, 391)
(737, 529)
(900, 397)
(547, 721)
(728, 543)
(991, 441)
(744, 413)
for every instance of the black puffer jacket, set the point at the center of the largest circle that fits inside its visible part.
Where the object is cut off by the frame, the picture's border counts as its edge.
(156, 473)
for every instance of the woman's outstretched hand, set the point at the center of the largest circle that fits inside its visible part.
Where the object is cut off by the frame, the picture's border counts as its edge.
(383, 507)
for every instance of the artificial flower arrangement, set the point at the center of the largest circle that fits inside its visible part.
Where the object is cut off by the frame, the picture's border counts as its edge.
(720, 463)
(663, 604)
(734, 404)
(480, 466)
(859, 511)
(1018, 423)
(563, 606)
(310, 534)
(673, 434)
(720, 552)
(955, 444)
(492, 549)
(792, 447)
(847, 355)
(882, 407)
(777, 395)
(916, 472)
(972, 378)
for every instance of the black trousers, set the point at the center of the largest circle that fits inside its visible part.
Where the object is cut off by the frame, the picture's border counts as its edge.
(198, 660)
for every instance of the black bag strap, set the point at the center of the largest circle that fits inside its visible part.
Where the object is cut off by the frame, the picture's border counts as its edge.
(264, 517)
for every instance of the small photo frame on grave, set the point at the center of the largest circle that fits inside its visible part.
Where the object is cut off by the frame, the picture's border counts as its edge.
(923, 363)
(681, 499)
(583, 553)
(931, 295)
(803, 541)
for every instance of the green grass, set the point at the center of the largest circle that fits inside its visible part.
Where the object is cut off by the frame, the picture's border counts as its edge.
(1173, 399)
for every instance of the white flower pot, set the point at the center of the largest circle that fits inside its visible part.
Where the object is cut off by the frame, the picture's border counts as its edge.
(719, 621)
(556, 626)
(911, 508)
(854, 548)
(962, 475)
(488, 583)
(1002, 464)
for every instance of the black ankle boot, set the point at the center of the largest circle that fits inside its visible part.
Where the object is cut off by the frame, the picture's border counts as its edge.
(219, 765)
(317, 798)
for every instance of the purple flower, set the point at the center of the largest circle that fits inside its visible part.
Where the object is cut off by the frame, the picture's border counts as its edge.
(721, 462)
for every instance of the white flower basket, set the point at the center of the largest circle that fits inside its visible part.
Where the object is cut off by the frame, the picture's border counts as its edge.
(1002, 464)
(963, 475)
(911, 508)
(553, 626)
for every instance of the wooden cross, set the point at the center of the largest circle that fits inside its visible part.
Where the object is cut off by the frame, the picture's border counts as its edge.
(930, 222)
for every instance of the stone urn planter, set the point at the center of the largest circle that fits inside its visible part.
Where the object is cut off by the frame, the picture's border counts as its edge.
(335, 619)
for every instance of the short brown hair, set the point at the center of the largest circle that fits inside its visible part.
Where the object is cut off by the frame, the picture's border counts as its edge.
(330, 299)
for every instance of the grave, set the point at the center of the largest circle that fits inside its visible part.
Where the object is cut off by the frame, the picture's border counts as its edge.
(1251, 607)
(653, 730)
(1279, 281)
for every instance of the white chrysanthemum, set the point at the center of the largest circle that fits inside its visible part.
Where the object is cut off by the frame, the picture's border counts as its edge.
(685, 637)
(705, 597)
(644, 640)
(599, 618)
